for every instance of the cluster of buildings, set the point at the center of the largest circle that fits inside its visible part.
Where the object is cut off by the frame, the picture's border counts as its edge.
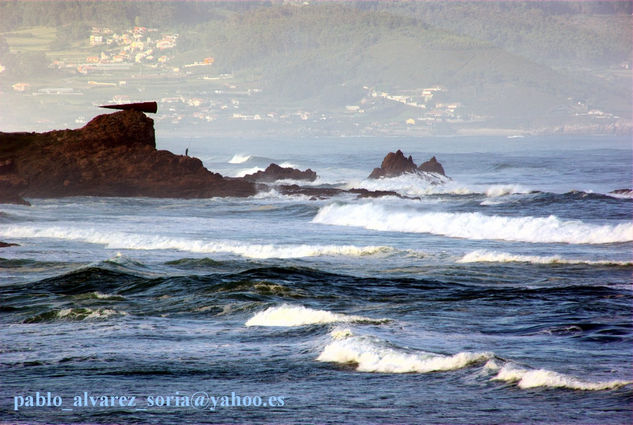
(228, 104)
(139, 44)
(427, 107)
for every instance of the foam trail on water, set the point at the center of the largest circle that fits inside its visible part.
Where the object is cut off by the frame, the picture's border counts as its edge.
(484, 256)
(374, 355)
(533, 378)
(239, 158)
(477, 226)
(413, 184)
(75, 314)
(120, 240)
(288, 315)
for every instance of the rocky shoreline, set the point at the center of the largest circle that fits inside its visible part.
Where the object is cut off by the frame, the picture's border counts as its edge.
(115, 155)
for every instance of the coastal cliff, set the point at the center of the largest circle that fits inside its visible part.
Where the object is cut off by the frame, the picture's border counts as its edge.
(113, 155)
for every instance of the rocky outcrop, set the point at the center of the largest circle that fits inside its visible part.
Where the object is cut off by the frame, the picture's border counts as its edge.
(6, 244)
(396, 164)
(274, 172)
(12, 186)
(113, 155)
(432, 166)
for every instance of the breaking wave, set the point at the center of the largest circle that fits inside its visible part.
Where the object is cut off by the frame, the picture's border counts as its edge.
(239, 158)
(621, 194)
(287, 164)
(484, 256)
(533, 378)
(413, 184)
(289, 315)
(247, 171)
(473, 225)
(120, 240)
(374, 355)
(503, 190)
(371, 354)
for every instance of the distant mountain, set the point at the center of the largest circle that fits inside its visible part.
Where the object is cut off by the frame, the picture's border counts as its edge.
(326, 53)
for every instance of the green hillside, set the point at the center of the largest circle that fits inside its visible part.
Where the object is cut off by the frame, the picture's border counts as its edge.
(529, 65)
(303, 52)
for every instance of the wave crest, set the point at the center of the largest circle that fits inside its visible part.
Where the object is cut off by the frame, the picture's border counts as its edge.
(287, 315)
(239, 158)
(374, 355)
(473, 225)
(121, 240)
(525, 378)
(484, 256)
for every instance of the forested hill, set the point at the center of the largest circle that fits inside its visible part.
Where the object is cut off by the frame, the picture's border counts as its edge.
(520, 63)
(561, 33)
(589, 31)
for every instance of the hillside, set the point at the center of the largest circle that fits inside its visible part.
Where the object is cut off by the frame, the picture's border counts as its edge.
(330, 68)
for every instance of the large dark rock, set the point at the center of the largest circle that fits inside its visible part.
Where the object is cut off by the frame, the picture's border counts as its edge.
(396, 164)
(12, 186)
(6, 244)
(113, 155)
(432, 166)
(274, 172)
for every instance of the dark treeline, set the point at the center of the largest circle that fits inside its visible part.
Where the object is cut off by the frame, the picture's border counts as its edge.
(553, 8)
(15, 13)
(117, 14)
(559, 33)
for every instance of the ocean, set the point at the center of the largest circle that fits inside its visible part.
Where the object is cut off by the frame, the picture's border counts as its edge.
(502, 295)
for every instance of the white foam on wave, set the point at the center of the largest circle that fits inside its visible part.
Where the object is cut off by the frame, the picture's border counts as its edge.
(622, 195)
(274, 194)
(289, 315)
(247, 171)
(498, 190)
(374, 355)
(239, 158)
(371, 354)
(484, 256)
(121, 240)
(412, 184)
(533, 378)
(287, 164)
(375, 216)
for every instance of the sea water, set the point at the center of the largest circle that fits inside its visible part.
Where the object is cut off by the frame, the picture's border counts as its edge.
(502, 294)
